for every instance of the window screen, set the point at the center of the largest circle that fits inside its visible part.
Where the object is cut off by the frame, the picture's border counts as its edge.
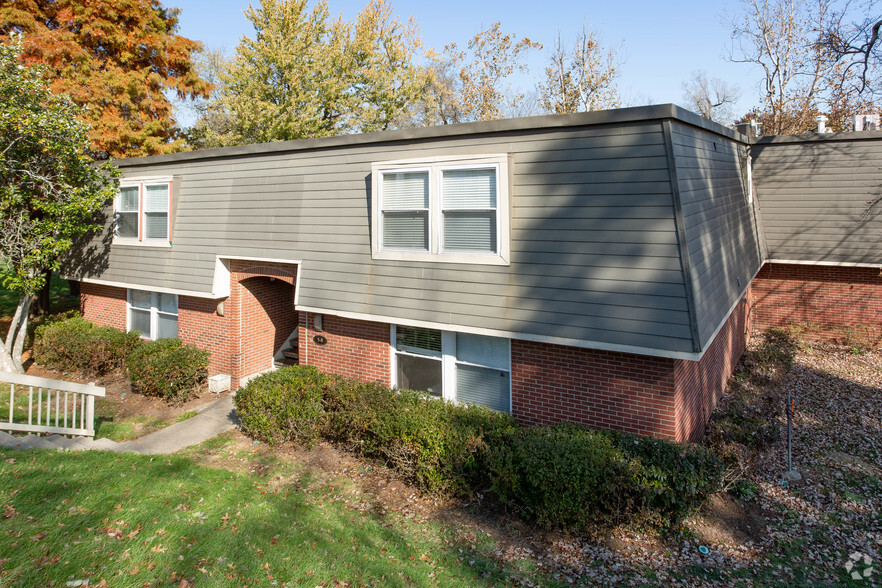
(469, 209)
(405, 199)
(418, 340)
(156, 212)
(485, 386)
(127, 213)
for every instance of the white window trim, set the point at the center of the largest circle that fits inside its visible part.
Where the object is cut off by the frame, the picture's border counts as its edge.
(141, 184)
(154, 313)
(449, 363)
(435, 166)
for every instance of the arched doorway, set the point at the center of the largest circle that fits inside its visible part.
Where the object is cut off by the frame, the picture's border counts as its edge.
(263, 298)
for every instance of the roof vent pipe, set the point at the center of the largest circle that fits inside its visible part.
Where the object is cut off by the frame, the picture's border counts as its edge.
(822, 124)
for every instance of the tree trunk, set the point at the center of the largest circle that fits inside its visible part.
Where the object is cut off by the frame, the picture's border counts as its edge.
(13, 326)
(18, 348)
(6, 363)
(43, 300)
(11, 350)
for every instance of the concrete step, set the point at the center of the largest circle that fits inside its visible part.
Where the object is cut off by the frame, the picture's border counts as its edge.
(291, 354)
(72, 443)
(35, 442)
(59, 440)
(106, 445)
(7, 440)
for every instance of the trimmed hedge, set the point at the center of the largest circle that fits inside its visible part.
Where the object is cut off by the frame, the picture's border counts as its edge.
(78, 345)
(673, 478)
(436, 445)
(167, 368)
(283, 405)
(572, 477)
(562, 476)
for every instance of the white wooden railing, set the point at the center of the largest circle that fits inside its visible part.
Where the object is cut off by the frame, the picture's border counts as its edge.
(54, 406)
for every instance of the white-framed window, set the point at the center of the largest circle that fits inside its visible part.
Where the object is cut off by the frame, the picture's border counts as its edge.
(461, 367)
(451, 209)
(153, 314)
(142, 212)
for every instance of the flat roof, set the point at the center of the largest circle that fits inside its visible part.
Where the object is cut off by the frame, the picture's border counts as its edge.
(813, 137)
(552, 121)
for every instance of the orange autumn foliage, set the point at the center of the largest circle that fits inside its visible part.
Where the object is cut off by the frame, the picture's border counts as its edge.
(116, 59)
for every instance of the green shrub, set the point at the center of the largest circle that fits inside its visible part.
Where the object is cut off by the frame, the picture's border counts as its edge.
(673, 479)
(571, 477)
(75, 344)
(167, 368)
(47, 319)
(563, 476)
(436, 445)
(283, 405)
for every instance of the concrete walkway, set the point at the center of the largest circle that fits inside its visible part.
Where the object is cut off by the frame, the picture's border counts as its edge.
(212, 419)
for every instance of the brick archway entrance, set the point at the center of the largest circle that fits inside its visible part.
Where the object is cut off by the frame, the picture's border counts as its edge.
(262, 305)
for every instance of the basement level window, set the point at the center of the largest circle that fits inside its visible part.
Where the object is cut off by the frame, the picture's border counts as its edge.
(449, 209)
(142, 212)
(153, 314)
(461, 367)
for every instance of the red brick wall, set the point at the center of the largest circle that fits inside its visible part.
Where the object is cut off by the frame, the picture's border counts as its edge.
(104, 305)
(550, 383)
(827, 296)
(200, 325)
(699, 384)
(357, 349)
(259, 317)
(600, 389)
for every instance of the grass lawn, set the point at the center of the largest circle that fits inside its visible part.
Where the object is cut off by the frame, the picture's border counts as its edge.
(142, 521)
(110, 423)
(235, 512)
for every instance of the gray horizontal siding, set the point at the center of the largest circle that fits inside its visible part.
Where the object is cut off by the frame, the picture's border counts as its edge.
(814, 193)
(719, 234)
(594, 250)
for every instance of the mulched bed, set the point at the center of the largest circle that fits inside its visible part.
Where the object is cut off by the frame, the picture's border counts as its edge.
(802, 533)
(121, 402)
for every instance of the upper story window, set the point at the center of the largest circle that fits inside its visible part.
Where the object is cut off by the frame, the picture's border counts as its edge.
(452, 209)
(142, 212)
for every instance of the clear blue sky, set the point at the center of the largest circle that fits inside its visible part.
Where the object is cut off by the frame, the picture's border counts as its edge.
(662, 42)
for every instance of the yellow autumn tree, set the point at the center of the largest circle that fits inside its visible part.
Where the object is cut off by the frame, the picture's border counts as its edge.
(306, 74)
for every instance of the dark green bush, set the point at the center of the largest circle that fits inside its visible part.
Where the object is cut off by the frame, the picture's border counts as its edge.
(283, 405)
(673, 479)
(563, 476)
(75, 344)
(436, 445)
(567, 476)
(167, 368)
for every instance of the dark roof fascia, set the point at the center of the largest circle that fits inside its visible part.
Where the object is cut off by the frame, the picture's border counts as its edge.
(554, 121)
(819, 138)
